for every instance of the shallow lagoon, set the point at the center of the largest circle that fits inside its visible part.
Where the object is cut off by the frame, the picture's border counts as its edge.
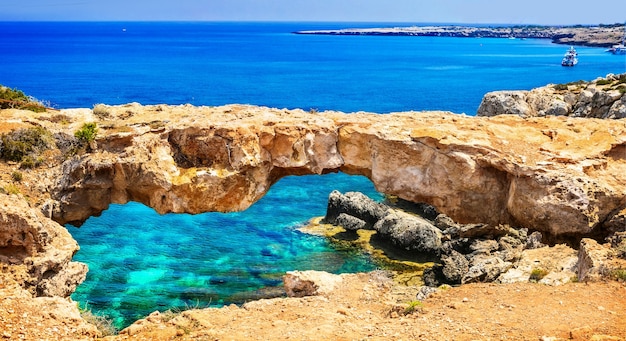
(141, 261)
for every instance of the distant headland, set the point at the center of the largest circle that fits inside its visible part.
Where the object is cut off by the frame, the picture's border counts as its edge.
(596, 36)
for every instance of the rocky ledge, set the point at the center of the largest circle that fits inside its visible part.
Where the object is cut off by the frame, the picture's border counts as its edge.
(600, 98)
(470, 253)
(599, 36)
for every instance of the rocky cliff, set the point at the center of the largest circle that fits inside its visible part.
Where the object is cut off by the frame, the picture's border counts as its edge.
(601, 98)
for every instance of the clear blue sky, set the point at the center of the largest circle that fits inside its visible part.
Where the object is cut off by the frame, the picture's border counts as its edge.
(457, 11)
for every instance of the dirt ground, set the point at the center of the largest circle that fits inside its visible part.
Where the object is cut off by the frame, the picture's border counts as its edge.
(364, 307)
(367, 307)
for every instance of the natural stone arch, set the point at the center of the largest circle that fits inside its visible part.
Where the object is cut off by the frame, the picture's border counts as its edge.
(500, 170)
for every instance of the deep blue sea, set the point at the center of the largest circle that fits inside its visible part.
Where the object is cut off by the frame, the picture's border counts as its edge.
(140, 261)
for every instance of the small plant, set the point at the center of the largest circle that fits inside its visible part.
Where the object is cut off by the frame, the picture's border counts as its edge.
(537, 274)
(101, 111)
(603, 82)
(25, 145)
(619, 275)
(29, 162)
(12, 189)
(414, 306)
(561, 87)
(103, 324)
(17, 176)
(87, 133)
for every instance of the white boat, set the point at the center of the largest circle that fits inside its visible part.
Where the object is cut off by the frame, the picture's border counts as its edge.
(619, 48)
(570, 58)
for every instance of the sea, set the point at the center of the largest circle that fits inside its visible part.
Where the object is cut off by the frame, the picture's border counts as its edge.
(140, 261)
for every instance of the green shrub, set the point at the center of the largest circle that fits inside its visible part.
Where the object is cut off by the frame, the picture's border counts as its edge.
(16, 99)
(561, 87)
(619, 274)
(12, 189)
(414, 306)
(17, 176)
(23, 143)
(29, 162)
(537, 274)
(603, 82)
(87, 133)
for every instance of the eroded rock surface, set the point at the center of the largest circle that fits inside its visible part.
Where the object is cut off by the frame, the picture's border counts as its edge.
(601, 98)
(557, 175)
(36, 251)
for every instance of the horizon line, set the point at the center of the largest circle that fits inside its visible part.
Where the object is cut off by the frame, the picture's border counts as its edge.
(306, 21)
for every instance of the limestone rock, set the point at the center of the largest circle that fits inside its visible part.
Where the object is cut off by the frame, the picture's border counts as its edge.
(599, 99)
(505, 103)
(554, 175)
(558, 262)
(486, 270)
(455, 266)
(310, 283)
(350, 222)
(38, 250)
(593, 260)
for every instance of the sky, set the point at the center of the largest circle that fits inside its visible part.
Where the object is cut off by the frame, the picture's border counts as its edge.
(542, 12)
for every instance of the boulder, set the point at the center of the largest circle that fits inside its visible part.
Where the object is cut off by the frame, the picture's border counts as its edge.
(455, 266)
(37, 250)
(488, 269)
(410, 232)
(350, 222)
(354, 204)
(504, 103)
(592, 260)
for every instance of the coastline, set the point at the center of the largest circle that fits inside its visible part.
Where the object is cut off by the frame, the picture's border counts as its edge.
(120, 166)
(593, 36)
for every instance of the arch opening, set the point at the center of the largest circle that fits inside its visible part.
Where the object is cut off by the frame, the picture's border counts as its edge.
(141, 261)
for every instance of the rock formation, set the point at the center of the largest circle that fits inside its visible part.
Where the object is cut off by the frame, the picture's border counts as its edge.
(556, 175)
(37, 252)
(601, 98)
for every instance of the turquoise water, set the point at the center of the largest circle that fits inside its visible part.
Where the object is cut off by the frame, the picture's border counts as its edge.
(140, 261)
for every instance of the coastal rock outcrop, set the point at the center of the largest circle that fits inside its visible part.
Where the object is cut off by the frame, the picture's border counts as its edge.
(36, 251)
(603, 35)
(556, 175)
(601, 98)
(475, 253)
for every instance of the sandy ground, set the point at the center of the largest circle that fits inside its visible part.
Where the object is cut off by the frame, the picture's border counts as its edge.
(368, 307)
